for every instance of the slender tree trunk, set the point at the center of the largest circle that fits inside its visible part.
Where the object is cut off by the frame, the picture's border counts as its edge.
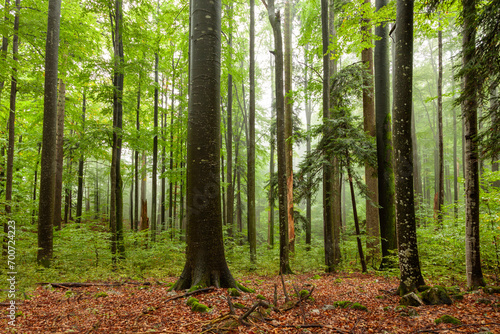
(48, 167)
(5, 40)
(116, 193)
(171, 161)
(356, 219)
(96, 194)
(136, 167)
(272, 139)
(495, 121)
(335, 171)
(144, 223)
(229, 150)
(469, 110)
(59, 154)
(409, 264)
(328, 183)
(416, 165)
(252, 228)
(274, 19)
(372, 221)
(440, 128)
(79, 198)
(288, 121)
(35, 183)
(163, 155)
(308, 112)
(11, 128)
(385, 172)
(68, 186)
(154, 177)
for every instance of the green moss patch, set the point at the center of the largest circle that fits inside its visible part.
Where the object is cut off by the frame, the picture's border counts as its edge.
(447, 319)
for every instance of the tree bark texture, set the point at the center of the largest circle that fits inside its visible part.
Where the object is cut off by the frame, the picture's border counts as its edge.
(440, 129)
(59, 154)
(252, 228)
(385, 171)
(205, 259)
(79, 196)
(469, 112)
(116, 193)
(288, 121)
(409, 264)
(274, 19)
(48, 167)
(372, 222)
(328, 182)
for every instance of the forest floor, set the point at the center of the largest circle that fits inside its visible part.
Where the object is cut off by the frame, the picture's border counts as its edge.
(148, 307)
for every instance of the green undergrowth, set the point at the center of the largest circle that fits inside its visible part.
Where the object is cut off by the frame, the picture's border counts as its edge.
(82, 253)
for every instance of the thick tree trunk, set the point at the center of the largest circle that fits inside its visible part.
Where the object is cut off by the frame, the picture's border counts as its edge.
(409, 264)
(252, 228)
(48, 167)
(385, 172)
(469, 110)
(372, 222)
(59, 154)
(205, 259)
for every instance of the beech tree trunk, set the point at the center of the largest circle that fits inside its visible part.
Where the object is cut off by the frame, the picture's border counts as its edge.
(308, 112)
(48, 167)
(469, 112)
(252, 228)
(328, 182)
(274, 19)
(59, 154)
(116, 193)
(372, 222)
(288, 121)
(205, 259)
(154, 177)
(385, 171)
(409, 264)
(440, 129)
(79, 197)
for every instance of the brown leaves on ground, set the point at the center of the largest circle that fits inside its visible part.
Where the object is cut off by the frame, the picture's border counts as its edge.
(132, 308)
